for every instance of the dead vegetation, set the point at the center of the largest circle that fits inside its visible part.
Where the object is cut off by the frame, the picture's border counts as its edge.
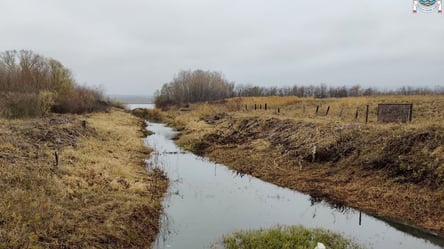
(391, 170)
(100, 195)
(153, 115)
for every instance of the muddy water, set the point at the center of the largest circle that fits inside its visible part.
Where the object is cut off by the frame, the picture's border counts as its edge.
(207, 200)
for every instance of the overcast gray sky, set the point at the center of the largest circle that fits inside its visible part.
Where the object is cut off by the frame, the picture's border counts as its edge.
(134, 46)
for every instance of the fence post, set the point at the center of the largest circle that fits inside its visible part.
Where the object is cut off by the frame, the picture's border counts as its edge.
(411, 113)
(255, 107)
(279, 110)
(357, 113)
(246, 107)
(317, 109)
(328, 109)
(260, 106)
(366, 114)
(265, 106)
(341, 112)
(56, 157)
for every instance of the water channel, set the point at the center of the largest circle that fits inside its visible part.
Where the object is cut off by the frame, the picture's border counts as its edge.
(206, 201)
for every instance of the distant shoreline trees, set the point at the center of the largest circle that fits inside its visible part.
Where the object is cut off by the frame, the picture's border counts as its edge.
(199, 86)
(32, 85)
(322, 91)
(194, 86)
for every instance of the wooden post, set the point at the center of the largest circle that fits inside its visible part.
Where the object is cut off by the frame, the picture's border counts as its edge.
(265, 106)
(255, 107)
(360, 218)
(56, 157)
(260, 106)
(366, 114)
(84, 124)
(246, 107)
(341, 112)
(317, 109)
(328, 109)
(279, 110)
(313, 159)
(357, 113)
(411, 113)
(303, 108)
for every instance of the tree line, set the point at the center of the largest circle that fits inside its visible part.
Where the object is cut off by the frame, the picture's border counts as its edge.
(198, 86)
(31, 85)
(323, 91)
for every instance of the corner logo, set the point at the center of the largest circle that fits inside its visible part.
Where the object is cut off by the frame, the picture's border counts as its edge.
(427, 6)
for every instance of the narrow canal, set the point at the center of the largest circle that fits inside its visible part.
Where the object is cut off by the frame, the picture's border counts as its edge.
(207, 200)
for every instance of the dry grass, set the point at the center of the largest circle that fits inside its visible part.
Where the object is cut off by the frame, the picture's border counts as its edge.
(392, 170)
(100, 196)
(425, 108)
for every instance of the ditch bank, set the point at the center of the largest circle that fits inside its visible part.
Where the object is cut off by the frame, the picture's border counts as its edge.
(391, 171)
(98, 195)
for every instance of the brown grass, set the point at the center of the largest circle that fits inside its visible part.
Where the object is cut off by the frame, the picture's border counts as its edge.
(100, 195)
(391, 170)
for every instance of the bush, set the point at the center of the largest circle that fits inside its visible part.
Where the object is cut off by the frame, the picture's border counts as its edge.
(81, 99)
(46, 100)
(18, 105)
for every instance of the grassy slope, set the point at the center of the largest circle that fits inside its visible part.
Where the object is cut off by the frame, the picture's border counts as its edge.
(99, 196)
(391, 170)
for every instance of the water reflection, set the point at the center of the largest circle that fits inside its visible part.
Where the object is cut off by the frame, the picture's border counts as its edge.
(208, 200)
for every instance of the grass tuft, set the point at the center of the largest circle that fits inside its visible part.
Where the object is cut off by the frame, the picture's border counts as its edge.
(286, 237)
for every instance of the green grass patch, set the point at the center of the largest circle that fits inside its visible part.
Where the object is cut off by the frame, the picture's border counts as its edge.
(286, 237)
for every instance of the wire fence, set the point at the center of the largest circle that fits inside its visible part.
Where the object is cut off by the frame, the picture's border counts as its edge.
(367, 113)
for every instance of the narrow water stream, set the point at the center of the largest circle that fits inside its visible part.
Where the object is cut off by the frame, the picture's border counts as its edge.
(207, 200)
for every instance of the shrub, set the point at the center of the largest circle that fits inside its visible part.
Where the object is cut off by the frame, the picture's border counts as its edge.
(81, 99)
(18, 105)
(46, 100)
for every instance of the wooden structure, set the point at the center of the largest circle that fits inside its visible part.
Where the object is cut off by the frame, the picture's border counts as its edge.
(398, 113)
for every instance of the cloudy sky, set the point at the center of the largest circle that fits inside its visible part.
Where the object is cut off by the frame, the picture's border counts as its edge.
(134, 46)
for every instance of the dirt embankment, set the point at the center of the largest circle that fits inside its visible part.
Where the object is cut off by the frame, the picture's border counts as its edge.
(99, 196)
(388, 170)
